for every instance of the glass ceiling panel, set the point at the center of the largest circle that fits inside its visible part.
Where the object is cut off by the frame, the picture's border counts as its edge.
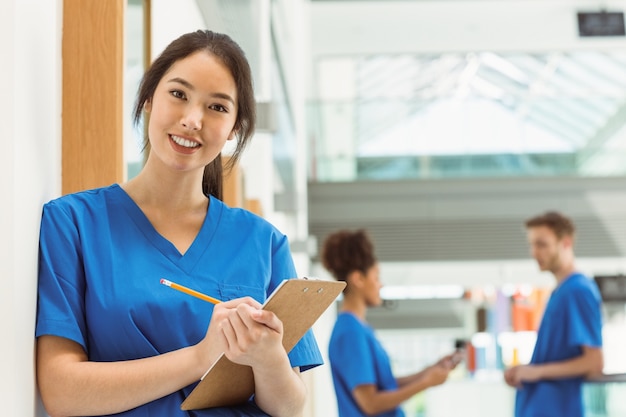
(517, 113)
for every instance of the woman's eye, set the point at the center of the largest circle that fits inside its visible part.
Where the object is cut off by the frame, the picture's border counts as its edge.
(177, 93)
(218, 107)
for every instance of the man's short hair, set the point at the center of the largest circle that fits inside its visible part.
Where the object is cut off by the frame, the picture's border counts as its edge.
(560, 224)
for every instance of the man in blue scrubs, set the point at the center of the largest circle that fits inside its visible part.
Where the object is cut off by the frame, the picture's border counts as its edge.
(569, 340)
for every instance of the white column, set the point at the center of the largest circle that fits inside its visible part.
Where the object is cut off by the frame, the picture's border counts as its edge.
(30, 171)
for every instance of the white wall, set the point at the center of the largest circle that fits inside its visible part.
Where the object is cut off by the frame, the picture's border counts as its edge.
(453, 25)
(30, 128)
(171, 19)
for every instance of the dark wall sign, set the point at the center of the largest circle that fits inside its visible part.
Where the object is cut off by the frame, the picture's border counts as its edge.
(601, 24)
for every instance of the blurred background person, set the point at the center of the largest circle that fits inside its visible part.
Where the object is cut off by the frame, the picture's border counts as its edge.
(361, 369)
(569, 340)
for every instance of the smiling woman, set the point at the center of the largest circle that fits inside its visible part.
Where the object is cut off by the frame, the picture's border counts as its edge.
(178, 78)
(103, 252)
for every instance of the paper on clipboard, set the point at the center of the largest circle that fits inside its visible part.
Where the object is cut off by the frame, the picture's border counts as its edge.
(298, 303)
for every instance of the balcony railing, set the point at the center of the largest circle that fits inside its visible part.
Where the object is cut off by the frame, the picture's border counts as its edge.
(605, 396)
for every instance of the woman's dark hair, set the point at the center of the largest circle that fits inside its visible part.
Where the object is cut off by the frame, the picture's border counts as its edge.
(347, 251)
(233, 57)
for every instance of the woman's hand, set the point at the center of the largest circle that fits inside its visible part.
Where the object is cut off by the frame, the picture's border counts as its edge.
(252, 335)
(245, 333)
(438, 373)
(249, 335)
(452, 360)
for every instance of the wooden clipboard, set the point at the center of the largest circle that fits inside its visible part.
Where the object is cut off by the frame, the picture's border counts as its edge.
(298, 303)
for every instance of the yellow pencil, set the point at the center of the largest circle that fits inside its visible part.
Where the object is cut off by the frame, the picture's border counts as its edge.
(189, 291)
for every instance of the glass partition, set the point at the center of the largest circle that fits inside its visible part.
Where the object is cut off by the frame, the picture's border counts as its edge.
(604, 397)
(136, 44)
(468, 115)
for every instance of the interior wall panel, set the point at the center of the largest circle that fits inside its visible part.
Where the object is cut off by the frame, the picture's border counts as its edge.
(467, 220)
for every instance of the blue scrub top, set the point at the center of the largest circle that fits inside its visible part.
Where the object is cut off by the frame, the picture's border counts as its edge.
(100, 265)
(356, 358)
(572, 319)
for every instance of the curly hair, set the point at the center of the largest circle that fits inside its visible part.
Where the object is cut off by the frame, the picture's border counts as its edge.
(346, 251)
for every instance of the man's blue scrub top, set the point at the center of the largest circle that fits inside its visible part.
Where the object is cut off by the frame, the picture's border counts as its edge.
(572, 318)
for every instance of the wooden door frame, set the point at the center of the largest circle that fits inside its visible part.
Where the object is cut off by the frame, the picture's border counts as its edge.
(92, 118)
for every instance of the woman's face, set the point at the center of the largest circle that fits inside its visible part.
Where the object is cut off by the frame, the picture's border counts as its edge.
(371, 289)
(192, 112)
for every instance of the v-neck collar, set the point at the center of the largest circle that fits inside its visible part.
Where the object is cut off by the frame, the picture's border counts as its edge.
(201, 242)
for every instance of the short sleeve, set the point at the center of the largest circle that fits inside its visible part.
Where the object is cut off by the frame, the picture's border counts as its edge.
(352, 356)
(61, 283)
(584, 318)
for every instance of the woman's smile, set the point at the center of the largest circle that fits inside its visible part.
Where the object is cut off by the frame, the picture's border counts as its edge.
(184, 145)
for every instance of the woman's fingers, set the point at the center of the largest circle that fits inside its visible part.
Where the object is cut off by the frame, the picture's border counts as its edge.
(243, 300)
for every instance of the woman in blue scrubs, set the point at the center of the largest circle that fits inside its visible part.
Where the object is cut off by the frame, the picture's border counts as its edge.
(110, 339)
(361, 369)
